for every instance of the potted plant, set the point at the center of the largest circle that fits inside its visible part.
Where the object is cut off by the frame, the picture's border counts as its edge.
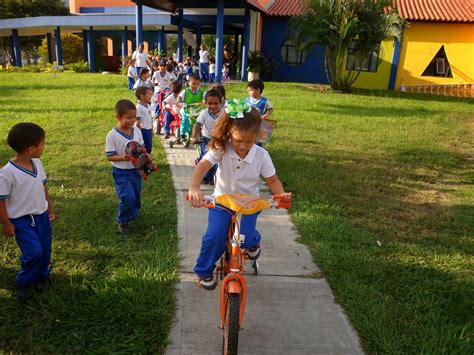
(269, 67)
(255, 65)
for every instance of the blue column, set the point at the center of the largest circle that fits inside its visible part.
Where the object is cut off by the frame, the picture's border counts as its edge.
(49, 41)
(124, 43)
(245, 44)
(179, 50)
(90, 50)
(59, 48)
(395, 60)
(219, 39)
(16, 48)
(198, 39)
(139, 22)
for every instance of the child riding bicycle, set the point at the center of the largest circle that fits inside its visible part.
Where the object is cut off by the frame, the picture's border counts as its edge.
(241, 163)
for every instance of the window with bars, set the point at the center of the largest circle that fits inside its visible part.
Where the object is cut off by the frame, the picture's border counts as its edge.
(290, 54)
(368, 64)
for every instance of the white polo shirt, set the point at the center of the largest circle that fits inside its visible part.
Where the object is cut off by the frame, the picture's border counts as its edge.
(163, 81)
(207, 121)
(115, 144)
(22, 189)
(141, 58)
(237, 175)
(144, 114)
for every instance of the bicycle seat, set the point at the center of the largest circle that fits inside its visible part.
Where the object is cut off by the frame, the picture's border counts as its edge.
(242, 203)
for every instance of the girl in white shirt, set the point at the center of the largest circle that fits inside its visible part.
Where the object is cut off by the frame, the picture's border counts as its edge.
(241, 164)
(203, 64)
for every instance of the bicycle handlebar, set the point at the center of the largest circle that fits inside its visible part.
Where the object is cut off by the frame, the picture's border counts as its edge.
(280, 200)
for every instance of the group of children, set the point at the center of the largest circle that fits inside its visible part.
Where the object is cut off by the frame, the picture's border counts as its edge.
(229, 150)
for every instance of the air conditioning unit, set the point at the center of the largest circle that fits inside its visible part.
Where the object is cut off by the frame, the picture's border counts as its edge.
(441, 66)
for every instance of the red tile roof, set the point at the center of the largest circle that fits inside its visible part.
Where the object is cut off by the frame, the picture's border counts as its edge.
(437, 10)
(286, 8)
(411, 10)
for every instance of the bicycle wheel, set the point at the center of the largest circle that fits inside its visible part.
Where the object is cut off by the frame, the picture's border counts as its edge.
(231, 324)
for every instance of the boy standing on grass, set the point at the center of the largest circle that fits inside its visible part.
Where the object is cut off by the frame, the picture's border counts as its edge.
(26, 211)
(128, 183)
(144, 120)
(255, 99)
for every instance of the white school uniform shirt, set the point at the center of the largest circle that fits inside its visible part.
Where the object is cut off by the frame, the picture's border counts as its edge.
(163, 81)
(144, 114)
(170, 101)
(207, 121)
(237, 175)
(115, 144)
(255, 103)
(203, 56)
(212, 68)
(141, 82)
(140, 58)
(132, 72)
(23, 190)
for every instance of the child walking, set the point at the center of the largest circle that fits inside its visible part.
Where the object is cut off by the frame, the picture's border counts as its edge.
(144, 120)
(26, 211)
(144, 79)
(255, 99)
(128, 183)
(204, 125)
(131, 74)
(169, 103)
(241, 163)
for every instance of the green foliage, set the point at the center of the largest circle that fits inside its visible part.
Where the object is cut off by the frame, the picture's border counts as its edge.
(340, 24)
(31, 8)
(72, 48)
(256, 62)
(80, 67)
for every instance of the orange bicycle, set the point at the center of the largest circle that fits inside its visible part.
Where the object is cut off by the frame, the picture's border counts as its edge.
(233, 290)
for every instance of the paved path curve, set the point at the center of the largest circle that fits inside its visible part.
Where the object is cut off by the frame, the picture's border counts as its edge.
(290, 307)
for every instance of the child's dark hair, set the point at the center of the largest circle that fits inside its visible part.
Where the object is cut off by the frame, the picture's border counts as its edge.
(220, 88)
(194, 76)
(143, 71)
(213, 93)
(256, 84)
(124, 106)
(225, 125)
(176, 87)
(142, 90)
(24, 135)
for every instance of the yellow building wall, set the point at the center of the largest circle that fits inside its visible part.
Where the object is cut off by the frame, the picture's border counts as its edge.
(421, 42)
(75, 5)
(379, 79)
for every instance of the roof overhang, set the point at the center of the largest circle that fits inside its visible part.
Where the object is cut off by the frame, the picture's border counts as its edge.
(33, 26)
(192, 5)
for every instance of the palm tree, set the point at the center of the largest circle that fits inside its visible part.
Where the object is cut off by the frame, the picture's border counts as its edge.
(342, 25)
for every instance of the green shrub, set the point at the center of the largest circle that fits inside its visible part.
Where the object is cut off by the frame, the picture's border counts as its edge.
(80, 67)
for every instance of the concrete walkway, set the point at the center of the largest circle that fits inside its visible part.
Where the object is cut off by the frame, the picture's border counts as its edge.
(290, 307)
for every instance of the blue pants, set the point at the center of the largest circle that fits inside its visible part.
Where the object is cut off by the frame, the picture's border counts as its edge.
(34, 238)
(212, 171)
(214, 241)
(147, 139)
(204, 71)
(128, 185)
(131, 82)
(168, 119)
(212, 77)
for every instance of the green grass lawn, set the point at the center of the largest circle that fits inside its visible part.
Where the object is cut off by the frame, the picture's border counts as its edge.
(384, 200)
(111, 294)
